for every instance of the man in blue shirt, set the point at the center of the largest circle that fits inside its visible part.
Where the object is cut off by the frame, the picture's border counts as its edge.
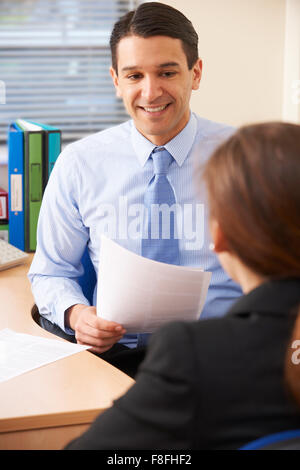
(99, 180)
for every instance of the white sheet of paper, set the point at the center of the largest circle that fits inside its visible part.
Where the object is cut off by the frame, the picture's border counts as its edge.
(20, 352)
(142, 294)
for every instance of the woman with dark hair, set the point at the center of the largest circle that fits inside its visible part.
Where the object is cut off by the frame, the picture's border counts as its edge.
(220, 383)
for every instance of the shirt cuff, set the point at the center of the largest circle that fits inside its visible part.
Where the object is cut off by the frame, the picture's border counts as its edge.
(61, 308)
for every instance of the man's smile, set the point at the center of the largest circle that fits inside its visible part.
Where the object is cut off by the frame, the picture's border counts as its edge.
(155, 110)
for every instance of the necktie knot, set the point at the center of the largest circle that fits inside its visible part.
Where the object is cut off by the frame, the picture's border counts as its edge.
(162, 159)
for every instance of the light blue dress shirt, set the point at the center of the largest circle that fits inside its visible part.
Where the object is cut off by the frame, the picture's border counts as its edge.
(94, 188)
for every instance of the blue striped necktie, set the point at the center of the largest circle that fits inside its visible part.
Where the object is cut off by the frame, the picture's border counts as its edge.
(160, 242)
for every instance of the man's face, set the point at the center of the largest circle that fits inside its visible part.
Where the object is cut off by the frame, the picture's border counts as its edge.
(155, 83)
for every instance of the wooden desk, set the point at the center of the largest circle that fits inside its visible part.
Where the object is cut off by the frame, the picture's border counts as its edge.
(47, 407)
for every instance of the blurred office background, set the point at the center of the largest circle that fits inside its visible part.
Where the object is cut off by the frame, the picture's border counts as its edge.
(55, 59)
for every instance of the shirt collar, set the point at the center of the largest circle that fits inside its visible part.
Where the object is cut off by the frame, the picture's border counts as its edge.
(178, 147)
(273, 296)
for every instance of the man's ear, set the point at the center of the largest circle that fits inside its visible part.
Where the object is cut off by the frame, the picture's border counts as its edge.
(197, 74)
(219, 241)
(115, 80)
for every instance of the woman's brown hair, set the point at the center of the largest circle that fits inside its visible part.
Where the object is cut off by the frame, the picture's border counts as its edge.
(253, 183)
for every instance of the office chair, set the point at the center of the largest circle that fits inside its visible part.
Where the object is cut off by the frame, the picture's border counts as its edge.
(284, 440)
(87, 282)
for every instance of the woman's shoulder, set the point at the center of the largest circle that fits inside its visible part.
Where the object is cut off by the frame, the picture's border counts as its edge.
(175, 347)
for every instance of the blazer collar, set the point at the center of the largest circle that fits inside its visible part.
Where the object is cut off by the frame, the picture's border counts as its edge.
(273, 296)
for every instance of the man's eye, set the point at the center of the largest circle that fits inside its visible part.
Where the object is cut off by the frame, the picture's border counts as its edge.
(168, 74)
(134, 76)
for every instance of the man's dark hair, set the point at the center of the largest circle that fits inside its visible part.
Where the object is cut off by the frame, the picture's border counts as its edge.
(156, 19)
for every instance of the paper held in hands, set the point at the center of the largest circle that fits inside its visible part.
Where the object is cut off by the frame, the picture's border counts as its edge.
(142, 294)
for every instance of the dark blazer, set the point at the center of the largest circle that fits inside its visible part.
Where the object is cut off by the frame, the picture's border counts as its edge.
(213, 384)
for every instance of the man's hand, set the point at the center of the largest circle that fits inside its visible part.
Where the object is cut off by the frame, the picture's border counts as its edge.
(92, 330)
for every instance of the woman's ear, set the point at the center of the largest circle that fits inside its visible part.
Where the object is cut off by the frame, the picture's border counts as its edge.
(219, 241)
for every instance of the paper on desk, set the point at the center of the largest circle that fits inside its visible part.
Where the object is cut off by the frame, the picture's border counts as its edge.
(21, 353)
(142, 294)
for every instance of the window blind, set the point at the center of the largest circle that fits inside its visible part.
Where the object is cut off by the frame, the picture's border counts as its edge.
(54, 63)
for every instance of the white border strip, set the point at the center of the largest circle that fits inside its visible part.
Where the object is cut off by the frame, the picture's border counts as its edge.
(291, 78)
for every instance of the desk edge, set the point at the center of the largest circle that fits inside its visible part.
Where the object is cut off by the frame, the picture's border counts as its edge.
(27, 423)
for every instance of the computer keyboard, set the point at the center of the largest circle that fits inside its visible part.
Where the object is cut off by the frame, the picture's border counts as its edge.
(10, 255)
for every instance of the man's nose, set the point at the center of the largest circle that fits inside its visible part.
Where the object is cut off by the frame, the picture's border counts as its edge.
(151, 89)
